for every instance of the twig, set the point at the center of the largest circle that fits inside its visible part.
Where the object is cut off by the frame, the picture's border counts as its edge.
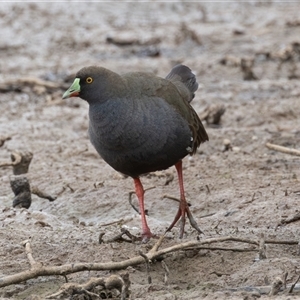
(208, 189)
(224, 249)
(151, 255)
(293, 285)
(281, 242)
(291, 219)
(147, 266)
(130, 200)
(157, 244)
(113, 222)
(28, 251)
(119, 237)
(167, 272)
(284, 277)
(262, 247)
(283, 149)
(172, 198)
(35, 190)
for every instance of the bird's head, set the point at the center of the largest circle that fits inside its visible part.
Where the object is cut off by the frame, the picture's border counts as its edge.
(93, 84)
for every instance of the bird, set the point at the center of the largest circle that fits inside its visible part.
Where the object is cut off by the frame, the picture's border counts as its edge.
(141, 123)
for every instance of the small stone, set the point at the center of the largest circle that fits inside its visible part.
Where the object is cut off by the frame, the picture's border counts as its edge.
(226, 145)
(226, 142)
(236, 149)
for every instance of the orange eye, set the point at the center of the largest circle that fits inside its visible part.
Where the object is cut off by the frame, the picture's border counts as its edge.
(89, 80)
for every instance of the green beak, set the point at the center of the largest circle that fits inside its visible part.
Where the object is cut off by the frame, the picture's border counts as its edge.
(73, 90)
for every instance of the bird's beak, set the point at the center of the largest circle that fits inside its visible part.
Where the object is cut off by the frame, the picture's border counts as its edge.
(73, 90)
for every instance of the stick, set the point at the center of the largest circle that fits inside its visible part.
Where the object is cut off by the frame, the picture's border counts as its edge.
(147, 266)
(130, 200)
(283, 149)
(173, 198)
(167, 272)
(293, 285)
(291, 219)
(35, 190)
(262, 247)
(66, 269)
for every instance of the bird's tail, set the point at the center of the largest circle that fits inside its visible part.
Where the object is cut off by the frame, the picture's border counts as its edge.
(184, 74)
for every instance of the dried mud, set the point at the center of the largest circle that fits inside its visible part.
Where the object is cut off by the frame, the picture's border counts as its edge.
(244, 191)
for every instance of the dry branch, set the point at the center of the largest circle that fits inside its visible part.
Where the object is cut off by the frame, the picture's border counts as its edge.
(79, 267)
(39, 269)
(262, 247)
(283, 149)
(130, 200)
(294, 284)
(147, 266)
(167, 272)
(35, 190)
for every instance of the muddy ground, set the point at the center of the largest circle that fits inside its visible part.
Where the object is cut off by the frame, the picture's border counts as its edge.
(243, 191)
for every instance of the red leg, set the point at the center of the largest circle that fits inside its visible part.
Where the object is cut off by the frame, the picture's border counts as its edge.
(139, 190)
(183, 206)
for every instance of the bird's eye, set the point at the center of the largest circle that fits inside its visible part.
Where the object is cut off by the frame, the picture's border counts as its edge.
(89, 80)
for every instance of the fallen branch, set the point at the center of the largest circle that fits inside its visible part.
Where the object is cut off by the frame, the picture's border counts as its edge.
(262, 247)
(39, 269)
(283, 149)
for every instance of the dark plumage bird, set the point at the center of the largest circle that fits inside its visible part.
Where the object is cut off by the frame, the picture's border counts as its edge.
(140, 123)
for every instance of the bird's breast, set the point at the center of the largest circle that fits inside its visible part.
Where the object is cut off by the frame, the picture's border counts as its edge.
(137, 137)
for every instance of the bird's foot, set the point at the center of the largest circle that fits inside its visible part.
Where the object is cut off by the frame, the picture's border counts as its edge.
(147, 235)
(181, 216)
(192, 221)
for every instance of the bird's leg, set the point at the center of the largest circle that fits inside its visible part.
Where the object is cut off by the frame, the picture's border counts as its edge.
(183, 206)
(139, 190)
